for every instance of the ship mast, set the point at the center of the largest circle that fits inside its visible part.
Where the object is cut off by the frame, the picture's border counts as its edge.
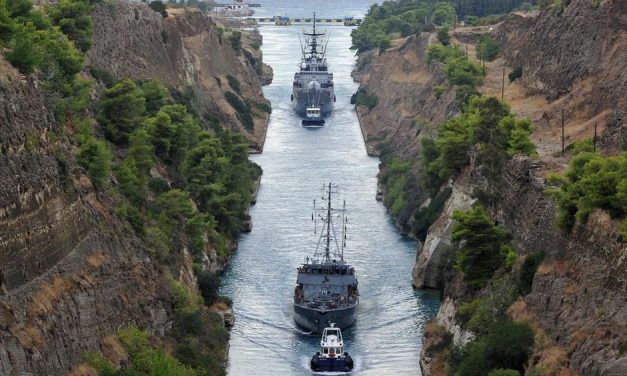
(327, 256)
(328, 235)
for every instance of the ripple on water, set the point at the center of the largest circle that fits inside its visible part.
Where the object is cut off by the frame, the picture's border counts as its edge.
(296, 161)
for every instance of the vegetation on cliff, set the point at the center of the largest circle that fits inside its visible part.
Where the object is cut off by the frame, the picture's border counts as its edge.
(406, 17)
(183, 183)
(591, 182)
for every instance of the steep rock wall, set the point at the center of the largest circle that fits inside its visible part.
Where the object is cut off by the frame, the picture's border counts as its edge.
(72, 273)
(186, 50)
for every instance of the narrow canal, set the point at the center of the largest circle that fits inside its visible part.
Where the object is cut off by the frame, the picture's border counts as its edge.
(296, 161)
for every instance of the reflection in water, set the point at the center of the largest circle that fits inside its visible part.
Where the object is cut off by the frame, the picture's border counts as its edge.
(296, 161)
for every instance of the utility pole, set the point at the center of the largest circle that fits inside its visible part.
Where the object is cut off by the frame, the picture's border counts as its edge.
(594, 139)
(503, 86)
(562, 132)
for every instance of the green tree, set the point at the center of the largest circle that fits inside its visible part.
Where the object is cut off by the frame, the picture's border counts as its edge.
(155, 95)
(142, 152)
(74, 20)
(95, 157)
(162, 133)
(25, 54)
(443, 36)
(480, 245)
(487, 49)
(121, 111)
(443, 14)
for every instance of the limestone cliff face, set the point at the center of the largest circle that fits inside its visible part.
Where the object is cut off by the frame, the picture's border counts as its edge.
(404, 82)
(70, 272)
(186, 50)
(573, 58)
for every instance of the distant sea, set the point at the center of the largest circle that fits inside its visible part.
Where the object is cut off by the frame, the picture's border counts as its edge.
(323, 8)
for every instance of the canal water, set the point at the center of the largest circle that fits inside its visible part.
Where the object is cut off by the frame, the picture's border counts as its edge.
(296, 161)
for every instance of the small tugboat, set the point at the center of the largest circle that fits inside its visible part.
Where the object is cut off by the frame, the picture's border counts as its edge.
(331, 357)
(313, 117)
(326, 285)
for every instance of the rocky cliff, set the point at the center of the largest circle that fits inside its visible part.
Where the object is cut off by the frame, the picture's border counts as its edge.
(573, 60)
(186, 50)
(71, 273)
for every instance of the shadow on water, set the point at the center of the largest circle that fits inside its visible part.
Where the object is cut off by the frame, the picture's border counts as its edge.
(386, 338)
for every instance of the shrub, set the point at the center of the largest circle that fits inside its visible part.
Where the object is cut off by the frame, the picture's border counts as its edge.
(159, 7)
(154, 94)
(443, 36)
(507, 346)
(121, 111)
(487, 49)
(74, 19)
(362, 98)
(515, 74)
(209, 284)
(236, 40)
(438, 91)
(102, 75)
(95, 157)
(592, 182)
(242, 109)
(234, 83)
(480, 245)
(504, 372)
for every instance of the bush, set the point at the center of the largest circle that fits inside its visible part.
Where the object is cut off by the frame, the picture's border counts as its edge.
(209, 285)
(507, 346)
(242, 109)
(515, 74)
(487, 49)
(480, 245)
(159, 7)
(74, 19)
(592, 182)
(102, 75)
(443, 36)
(362, 98)
(236, 40)
(234, 83)
(121, 111)
(95, 157)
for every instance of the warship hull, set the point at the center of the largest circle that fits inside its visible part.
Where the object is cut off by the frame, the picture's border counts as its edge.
(316, 321)
(300, 101)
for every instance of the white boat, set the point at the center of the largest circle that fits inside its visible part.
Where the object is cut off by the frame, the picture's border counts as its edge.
(331, 357)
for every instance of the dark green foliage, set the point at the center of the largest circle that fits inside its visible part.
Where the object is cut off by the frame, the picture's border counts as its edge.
(242, 109)
(480, 245)
(129, 183)
(504, 372)
(95, 157)
(487, 49)
(362, 98)
(425, 216)
(234, 84)
(155, 95)
(133, 216)
(515, 74)
(443, 36)
(102, 75)
(159, 7)
(236, 40)
(121, 111)
(592, 182)
(459, 70)
(208, 285)
(507, 346)
(528, 271)
(74, 20)
(162, 132)
(263, 107)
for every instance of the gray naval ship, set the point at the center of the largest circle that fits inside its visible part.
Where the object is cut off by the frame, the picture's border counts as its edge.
(326, 290)
(313, 83)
